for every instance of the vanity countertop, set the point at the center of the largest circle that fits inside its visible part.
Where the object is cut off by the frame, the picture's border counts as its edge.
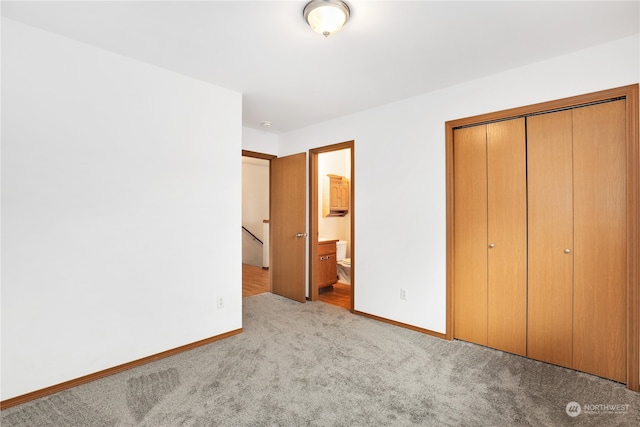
(323, 240)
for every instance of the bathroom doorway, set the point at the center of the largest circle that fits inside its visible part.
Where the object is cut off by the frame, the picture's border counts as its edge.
(332, 224)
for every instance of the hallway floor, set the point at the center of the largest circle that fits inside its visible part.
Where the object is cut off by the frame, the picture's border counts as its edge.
(255, 280)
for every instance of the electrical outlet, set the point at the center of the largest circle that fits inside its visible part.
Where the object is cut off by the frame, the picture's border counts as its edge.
(220, 302)
(403, 294)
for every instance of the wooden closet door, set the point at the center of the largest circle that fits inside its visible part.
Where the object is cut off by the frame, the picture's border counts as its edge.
(470, 234)
(507, 236)
(550, 225)
(600, 254)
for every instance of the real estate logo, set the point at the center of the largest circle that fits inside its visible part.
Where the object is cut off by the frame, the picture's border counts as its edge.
(573, 409)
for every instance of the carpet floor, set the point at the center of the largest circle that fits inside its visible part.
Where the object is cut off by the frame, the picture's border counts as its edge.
(314, 364)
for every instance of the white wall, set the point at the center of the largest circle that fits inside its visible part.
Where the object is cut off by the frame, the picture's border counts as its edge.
(119, 181)
(400, 172)
(259, 141)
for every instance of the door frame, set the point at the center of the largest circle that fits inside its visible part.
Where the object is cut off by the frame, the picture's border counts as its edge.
(314, 183)
(268, 157)
(630, 93)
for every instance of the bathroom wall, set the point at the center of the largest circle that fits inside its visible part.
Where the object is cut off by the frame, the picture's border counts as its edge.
(337, 163)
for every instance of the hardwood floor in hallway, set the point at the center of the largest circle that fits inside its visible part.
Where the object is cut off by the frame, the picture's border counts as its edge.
(255, 280)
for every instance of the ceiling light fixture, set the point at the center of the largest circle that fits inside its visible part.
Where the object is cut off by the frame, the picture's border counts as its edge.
(326, 16)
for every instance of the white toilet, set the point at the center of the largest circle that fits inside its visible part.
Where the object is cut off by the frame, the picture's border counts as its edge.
(344, 263)
(341, 250)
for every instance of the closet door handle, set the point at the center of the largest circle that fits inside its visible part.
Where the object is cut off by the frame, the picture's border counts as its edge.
(567, 251)
(301, 235)
(491, 246)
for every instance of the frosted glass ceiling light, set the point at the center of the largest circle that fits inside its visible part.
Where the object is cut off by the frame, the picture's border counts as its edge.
(326, 16)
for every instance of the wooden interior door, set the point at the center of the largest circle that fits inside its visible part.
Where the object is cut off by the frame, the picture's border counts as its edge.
(288, 225)
(507, 236)
(550, 258)
(600, 256)
(470, 234)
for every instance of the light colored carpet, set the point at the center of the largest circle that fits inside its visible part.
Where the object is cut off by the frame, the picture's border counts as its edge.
(314, 364)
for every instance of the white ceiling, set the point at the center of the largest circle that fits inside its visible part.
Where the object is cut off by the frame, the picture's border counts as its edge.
(293, 77)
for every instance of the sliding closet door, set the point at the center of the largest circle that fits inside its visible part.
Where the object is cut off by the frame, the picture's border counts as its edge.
(507, 236)
(600, 254)
(550, 258)
(470, 236)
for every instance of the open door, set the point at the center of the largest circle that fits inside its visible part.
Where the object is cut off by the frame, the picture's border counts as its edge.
(288, 234)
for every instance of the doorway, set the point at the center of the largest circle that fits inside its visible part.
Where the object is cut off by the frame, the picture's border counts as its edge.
(332, 222)
(285, 238)
(255, 223)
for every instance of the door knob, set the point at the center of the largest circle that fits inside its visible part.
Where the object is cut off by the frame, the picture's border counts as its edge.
(491, 246)
(301, 235)
(567, 251)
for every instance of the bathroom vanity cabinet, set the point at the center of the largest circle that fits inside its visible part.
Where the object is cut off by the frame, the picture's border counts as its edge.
(335, 196)
(327, 263)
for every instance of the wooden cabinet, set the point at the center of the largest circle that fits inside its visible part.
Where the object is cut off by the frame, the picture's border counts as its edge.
(490, 237)
(335, 195)
(577, 250)
(327, 263)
